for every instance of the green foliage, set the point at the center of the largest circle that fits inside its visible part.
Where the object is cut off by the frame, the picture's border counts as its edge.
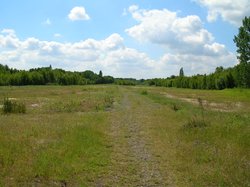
(195, 122)
(127, 81)
(175, 107)
(242, 41)
(11, 106)
(144, 92)
(181, 72)
(49, 76)
(220, 79)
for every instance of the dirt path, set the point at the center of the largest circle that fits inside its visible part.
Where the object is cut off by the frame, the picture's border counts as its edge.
(132, 162)
(221, 107)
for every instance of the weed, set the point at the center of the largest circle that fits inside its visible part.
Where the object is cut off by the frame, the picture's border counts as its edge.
(10, 106)
(201, 107)
(195, 122)
(175, 107)
(144, 92)
(108, 101)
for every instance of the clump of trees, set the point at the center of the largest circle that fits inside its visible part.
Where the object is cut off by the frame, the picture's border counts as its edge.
(220, 79)
(47, 75)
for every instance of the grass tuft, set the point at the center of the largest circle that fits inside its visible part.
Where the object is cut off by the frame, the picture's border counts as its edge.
(144, 92)
(175, 107)
(11, 106)
(195, 123)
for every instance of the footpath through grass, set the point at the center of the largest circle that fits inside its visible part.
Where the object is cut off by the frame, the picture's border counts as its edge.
(124, 136)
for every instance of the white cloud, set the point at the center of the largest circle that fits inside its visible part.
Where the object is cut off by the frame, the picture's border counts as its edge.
(185, 34)
(109, 55)
(78, 13)
(47, 22)
(185, 41)
(9, 39)
(229, 10)
(9, 32)
(57, 35)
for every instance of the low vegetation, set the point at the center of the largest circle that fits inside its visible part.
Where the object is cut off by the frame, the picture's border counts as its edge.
(12, 106)
(123, 136)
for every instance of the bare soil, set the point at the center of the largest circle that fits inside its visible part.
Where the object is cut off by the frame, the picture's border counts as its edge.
(215, 106)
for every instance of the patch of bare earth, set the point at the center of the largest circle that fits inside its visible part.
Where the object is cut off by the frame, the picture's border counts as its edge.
(221, 107)
(132, 161)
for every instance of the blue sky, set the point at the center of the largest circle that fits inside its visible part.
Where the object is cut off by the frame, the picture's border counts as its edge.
(140, 39)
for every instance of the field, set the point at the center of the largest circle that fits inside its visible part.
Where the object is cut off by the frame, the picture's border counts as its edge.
(125, 136)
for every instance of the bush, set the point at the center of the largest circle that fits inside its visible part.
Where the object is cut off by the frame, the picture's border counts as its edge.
(175, 107)
(10, 106)
(144, 92)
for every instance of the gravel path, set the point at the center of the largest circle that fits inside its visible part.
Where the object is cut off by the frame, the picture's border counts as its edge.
(133, 162)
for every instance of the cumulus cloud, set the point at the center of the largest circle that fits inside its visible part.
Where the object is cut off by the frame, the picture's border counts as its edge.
(229, 10)
(185, 41)
(9, 39)
(9, 32)
(109, 55)
(164, 27)
(78, 13)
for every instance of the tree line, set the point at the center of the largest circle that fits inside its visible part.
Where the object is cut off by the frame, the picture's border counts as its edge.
(220, 79)
(49, 76)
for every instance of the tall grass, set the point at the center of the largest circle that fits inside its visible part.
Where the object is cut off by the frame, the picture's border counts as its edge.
(197, 121)
(11, 106)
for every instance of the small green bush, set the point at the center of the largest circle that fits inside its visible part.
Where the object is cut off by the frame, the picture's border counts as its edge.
(175, 107)
(10, 106)
(144, 92)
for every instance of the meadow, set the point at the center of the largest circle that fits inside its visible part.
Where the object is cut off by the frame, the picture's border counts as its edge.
(125, 136)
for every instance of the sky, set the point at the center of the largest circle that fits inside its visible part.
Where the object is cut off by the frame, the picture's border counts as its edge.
(137, 39)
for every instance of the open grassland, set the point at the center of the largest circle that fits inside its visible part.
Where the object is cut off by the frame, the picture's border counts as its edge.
(125, 136)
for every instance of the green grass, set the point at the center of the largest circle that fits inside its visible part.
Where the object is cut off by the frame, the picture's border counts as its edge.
(80, 136)
(10, 106)
(206, 148)
(61, 139)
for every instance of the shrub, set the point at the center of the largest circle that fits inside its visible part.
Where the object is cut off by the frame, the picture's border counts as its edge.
(10, 106)
(175, 107)
(144, 92)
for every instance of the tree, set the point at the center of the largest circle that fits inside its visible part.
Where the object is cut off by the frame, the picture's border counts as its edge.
(242, 41)
(100, 73)
(181, 72)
